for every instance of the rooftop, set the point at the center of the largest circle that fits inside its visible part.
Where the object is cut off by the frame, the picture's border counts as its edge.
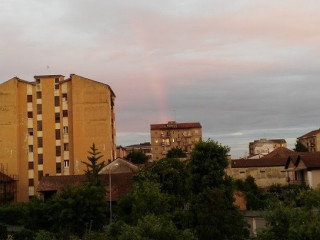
(310, 134)
(175, 125)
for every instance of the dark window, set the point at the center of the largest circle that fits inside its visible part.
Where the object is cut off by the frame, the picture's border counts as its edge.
(58, 151)
(29, 98)
(39, 109)
(30, 165)
(40, 174)
(58, 136)
(56, 86)
(56, 80)
(64, 97)
(58, 167)
(30, 131)
(30, 114)
(31, 182)
(39, 125)
(65, 130)
(65, 113)
(39, 95)
(40, 142)
(66, 146)
(56, 101)
(40, 158)
(66, 163)
(38, 80)
(57, 117)
(30, 148)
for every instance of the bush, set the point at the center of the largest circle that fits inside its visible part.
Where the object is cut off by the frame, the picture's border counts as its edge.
(44, 235)
(3, 232)
(24, 234)
(11, 214)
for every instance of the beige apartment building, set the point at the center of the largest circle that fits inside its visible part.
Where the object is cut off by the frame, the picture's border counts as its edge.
(311, 140)
(174, 135)
(47, 127)
(265, 146)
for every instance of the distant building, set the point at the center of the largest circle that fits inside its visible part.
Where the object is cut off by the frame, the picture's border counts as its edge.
(311, 140)
(265, 146)
(268, 170)
(143, 147)
(48, 126)
(174, 135)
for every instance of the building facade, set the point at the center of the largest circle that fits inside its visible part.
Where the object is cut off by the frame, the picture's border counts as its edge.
(47, 127)
(311, 140)
(164, 137)
(265, 146)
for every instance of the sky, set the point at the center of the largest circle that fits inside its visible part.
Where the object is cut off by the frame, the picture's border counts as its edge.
(244, 69)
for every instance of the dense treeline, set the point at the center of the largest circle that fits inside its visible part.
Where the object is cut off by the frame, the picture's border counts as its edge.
(169, 200)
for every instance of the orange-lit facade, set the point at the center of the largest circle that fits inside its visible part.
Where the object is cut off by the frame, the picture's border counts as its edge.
(164, 137)
(47, 127)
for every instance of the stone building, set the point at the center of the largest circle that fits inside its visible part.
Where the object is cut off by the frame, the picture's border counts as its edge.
(47, 127)
(174, 135)
(311, 140)
(265, 146)
(266, 171)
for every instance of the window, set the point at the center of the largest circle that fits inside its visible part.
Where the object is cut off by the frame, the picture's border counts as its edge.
(30, 165)
(40, 158)
(30, 131)
(56, 101)
(64, 97)
(39, 95)
(57, 117)
(38, 80)
(66, 163)
(30, 148)
(58, 136)
(58, 151)
(56, 86)
(29, 98)
(40, 174)
(56, 80)
(66, 146)
(39, 125)
(65, 130)
(40, 142)
(31, 182)
(65, 113)
(30, 114)
(58, 167)
(39, 109)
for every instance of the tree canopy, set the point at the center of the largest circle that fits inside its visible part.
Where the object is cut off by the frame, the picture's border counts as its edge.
(299, 147)
(176, 152)
(137, 157)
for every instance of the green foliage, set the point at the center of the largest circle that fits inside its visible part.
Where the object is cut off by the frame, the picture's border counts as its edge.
(207, 165)
(24, 234)
(44, 235)
(156, 228)
(11, 213)
(3, 232)
(95, 236)
(77, 210)
(137, 157)
(145, 198)
(93, 168)
(176, 153)
(213, 214)
(299, 147)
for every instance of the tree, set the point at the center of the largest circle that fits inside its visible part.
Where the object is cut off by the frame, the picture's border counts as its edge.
(176, 153)
(93, 168)
(137, 157)
(213, 213)
(299, 147)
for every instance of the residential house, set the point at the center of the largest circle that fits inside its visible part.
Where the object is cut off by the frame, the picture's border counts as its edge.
(311, 140)
(265, 146)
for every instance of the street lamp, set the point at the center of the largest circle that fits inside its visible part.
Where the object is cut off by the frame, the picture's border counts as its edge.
(117, 164)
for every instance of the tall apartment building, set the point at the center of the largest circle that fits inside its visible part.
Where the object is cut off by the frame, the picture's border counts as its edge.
(172, 135)
(311, 140)
(265, 146)
(47, 127)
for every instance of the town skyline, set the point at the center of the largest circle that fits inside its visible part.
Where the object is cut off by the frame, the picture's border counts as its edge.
(245, 71)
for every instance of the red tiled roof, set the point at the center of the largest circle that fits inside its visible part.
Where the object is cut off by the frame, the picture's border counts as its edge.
(310, 159)
(163, 126)
(310, 134)
(278, 157)
(121, 183)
